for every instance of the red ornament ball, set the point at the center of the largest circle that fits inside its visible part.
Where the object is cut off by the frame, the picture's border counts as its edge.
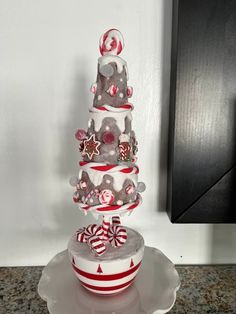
(80, 134)
(108, 138)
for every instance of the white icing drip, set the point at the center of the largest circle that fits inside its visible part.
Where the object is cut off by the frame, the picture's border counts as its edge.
(96, 177)
(89, 123)
(124, 138)
(118, 116)
(99, 97)
(127, 72)
(120, 63)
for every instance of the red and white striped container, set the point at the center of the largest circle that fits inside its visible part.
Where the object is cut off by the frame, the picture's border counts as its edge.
(112, 272)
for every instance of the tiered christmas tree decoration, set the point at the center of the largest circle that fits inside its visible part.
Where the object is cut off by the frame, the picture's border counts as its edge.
(106, 257)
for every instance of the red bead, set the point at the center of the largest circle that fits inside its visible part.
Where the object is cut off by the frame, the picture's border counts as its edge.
(129, 91)
(113, 90)
(80, 134)
(108, 138)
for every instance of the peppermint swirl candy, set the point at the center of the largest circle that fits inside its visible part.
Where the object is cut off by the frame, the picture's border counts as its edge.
(92, 235)
(92, 230)
(117, 235)
(106, 197)
(80, 236)
(111, 42)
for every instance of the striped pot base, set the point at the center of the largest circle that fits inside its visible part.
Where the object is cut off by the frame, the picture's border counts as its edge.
(111, 273)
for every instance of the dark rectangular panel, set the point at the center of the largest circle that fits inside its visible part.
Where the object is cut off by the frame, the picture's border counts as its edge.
(203, 109)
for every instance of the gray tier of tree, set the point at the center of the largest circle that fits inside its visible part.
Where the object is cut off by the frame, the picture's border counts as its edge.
(109, 151)
(110, 89)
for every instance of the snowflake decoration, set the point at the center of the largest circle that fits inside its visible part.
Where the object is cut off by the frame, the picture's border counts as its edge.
(91, 147)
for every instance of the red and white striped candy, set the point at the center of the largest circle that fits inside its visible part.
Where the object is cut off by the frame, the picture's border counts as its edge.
(121, 108)
(111, 42)
(105, 227)
(91, 194)
(80, 236)
(106, 197)
(92, 235)
(93, 229)
(116, 220)
(117, 235)
(129, 189)
(96, 245)
(112, 90)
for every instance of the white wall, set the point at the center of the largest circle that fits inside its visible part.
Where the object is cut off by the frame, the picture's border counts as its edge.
(48, 56)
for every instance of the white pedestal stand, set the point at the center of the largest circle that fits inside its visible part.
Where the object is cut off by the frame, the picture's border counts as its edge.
(153, 291)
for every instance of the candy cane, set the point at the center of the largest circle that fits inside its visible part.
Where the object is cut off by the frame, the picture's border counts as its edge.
(116, 220)
(122, 108)
(108, 168)
(92, 193)
(105, 226)
(111, 42)
(117, 235)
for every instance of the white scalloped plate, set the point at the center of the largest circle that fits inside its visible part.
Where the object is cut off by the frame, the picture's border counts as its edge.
(153, 291)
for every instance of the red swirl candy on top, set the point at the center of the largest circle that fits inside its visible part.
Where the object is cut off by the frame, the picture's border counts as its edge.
(108, 138)
(111, 42)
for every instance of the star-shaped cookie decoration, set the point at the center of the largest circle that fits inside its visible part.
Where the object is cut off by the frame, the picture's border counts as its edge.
(91, 147)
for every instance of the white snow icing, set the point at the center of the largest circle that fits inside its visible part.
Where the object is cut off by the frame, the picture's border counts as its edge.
(98, 117)
(120, 63)
(89, 123)
(119, 178)
(121, 95)
(127, 72)
(99, 97)
(107, 128)
(108, 181)
(119, 202)
(121, 79)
